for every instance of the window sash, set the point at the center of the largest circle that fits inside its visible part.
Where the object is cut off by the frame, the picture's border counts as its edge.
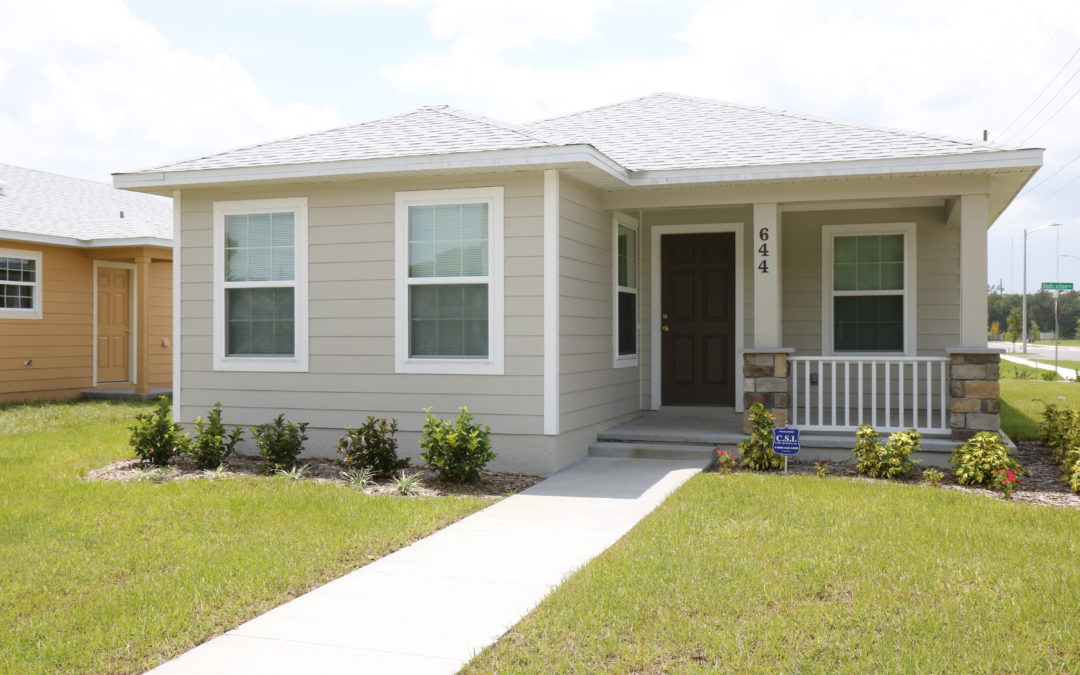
(625, 251)
(20, 283)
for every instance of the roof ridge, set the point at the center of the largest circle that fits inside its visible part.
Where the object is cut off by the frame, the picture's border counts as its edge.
(588, 110)
(499, 124)
(58, 175)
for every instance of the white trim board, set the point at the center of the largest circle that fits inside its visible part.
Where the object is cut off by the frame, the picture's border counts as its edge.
(658, 231)
(176, 304)
(552, 304)
(38, 312)
(133, 323)
(631, 223)
(57, 240)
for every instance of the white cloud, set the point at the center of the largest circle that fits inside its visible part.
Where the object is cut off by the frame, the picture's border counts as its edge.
(87, 88)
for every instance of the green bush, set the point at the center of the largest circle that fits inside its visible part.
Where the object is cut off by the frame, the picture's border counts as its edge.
(155, 437)
(372, 445)
(1072, 473)
(456, 451)
(1059, 430)
(975, 462)
(757, 450)
(889, 460)
(280, 442)
(213, 444)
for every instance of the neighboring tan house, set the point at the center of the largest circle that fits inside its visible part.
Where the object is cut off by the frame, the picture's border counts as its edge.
(85, 288)
(564, 276)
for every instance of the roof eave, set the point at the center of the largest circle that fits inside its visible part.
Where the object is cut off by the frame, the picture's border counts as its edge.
(164, 181)
(54, 240)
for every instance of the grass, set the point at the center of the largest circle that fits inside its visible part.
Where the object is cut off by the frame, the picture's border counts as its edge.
(1062, 343)
(755, 573)
(1018, 371)
(112, 577)
(1022, 403)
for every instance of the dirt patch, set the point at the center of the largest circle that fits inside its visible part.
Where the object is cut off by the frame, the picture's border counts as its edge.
(491, 485)
(1042, 482)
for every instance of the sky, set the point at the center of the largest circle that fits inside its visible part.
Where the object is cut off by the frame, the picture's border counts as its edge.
(93, 87)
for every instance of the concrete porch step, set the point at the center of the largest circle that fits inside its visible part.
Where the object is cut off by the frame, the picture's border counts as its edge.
(641, 450)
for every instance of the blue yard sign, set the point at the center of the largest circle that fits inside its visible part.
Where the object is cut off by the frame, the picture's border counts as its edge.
(785, 441)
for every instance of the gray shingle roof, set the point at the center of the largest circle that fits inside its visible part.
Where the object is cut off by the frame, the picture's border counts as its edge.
(656, 132)
(431, 130)
(40, 203)
(672, 131)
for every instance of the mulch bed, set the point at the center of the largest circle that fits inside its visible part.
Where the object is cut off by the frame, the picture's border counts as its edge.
(1042, 482)
(491, 485)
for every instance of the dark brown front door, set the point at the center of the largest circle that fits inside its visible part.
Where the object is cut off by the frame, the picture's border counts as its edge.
(697, 319)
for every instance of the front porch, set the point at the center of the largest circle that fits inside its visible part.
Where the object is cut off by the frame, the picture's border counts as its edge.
(695, 432)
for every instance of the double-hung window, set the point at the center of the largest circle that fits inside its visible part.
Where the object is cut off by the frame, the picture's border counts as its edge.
(869, 288)
(449, 316)
(625, 249)
(20, 284)
(260, 285)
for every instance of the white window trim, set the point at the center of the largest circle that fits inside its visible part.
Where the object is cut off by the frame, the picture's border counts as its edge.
(625, 360)
(828, 233)
(493, 364)
(39, 274)
(299, 361)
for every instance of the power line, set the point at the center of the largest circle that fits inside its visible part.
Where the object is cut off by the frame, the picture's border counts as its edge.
(1064, 166)
(1037, 97)
(1052, 116)
(1048, 102)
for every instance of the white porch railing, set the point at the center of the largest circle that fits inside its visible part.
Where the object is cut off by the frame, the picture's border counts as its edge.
(838, 393)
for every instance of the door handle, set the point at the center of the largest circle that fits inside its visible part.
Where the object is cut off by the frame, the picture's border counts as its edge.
(663, 316)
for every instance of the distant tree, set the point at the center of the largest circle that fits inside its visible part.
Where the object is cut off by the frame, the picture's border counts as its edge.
(1033, 330)
(1013, 322)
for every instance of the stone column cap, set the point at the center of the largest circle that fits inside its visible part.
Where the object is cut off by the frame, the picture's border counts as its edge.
(973, 350)
(773, 350)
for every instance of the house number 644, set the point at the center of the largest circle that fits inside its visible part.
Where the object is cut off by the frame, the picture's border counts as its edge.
(763, 250)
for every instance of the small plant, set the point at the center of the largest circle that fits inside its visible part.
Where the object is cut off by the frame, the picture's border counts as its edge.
(372, 445)
(822, 468)
(219, 471)
(155, 437)
(1072, 474)
(932, 476)
(975, 462)
(280, 442)
(456, 451)
(407, 484)
(212, 443)
(726, 461)
(359, 478)
(1049, 375)
(757, 450)
(889, 460)
(156, 475)
(297, 472)
(1006, 480)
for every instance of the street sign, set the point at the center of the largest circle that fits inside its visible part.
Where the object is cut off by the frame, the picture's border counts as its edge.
(1057, 286)
(785, 441)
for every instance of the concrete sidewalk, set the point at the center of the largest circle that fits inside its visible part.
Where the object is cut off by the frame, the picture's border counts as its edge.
(430, 607)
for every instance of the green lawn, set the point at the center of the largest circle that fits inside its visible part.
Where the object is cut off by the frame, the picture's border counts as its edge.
(1022, 403)
(1017, 371)
(111, 577)
(757, 573)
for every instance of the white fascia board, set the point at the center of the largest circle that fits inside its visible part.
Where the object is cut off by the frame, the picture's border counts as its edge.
(975, 161)
(83, 243)
(490, 159)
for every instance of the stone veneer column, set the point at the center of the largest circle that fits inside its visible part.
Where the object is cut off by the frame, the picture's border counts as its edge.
(974, 390)
(766, 380)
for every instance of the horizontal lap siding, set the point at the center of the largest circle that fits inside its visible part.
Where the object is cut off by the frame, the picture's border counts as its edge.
(591, 390)
(160, 354)
(351, 315)
(59, 344)
(937, 265)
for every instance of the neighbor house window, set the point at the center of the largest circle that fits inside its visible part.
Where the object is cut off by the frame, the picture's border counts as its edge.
(869, 288)
(626, 290)
(260, 275)
(449, 281)
(20, 284)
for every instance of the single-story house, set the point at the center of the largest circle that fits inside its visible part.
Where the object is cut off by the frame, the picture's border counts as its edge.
(564, 276)
(85, 287)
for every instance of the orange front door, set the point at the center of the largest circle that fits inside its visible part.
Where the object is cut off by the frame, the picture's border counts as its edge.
(113, 324)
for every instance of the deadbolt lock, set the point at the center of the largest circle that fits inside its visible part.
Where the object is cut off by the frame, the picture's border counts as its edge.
(664, 328)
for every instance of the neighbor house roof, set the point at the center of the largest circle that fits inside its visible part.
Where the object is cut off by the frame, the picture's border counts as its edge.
(50, 208)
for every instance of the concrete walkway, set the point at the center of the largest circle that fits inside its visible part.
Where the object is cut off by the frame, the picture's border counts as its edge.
(430, 607)
(1067, 373)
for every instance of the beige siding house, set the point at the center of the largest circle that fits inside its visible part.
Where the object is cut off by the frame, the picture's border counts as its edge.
(667, 253)
(85, 288)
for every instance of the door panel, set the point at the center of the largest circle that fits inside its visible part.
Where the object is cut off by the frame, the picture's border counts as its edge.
(113, 324)
(698, 331)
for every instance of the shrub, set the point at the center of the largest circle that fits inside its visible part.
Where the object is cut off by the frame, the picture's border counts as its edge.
(726, 461)
(212, 443)
(885, 460)
(280, 442)
(975, 462)
(407, 484)
(932, 476)
(155, 437)
(359, 478)
(1072, 475)
(757, 450)
(372, 445)
(821, 469)
(1059, 430)
(456, 451)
